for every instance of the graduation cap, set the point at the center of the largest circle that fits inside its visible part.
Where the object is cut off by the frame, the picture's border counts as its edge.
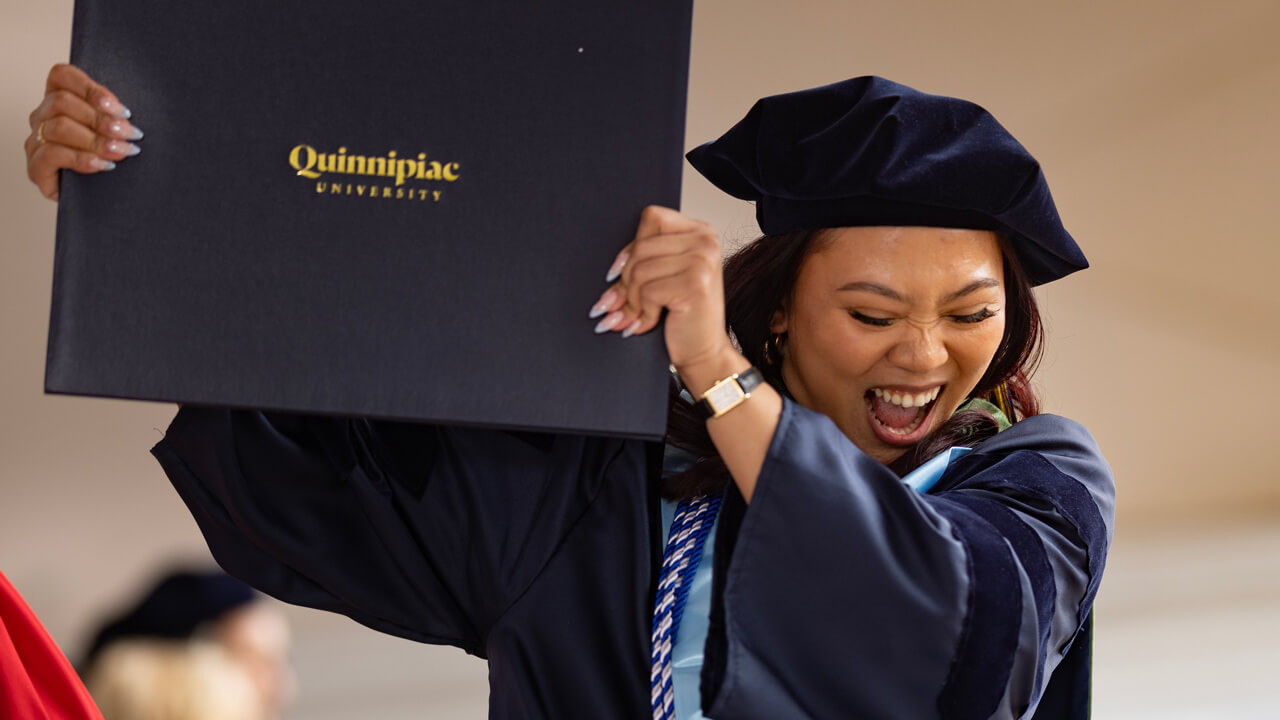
(178, 605)
(869, 151)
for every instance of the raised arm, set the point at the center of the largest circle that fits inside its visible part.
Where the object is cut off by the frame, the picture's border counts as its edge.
(422, 531)
(674, 265)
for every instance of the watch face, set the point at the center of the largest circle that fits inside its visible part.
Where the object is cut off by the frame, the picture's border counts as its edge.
(724, 395)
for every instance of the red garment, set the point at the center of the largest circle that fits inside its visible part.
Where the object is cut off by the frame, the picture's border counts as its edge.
(36, 681)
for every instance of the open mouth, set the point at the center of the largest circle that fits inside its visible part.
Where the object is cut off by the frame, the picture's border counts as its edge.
(898, 416)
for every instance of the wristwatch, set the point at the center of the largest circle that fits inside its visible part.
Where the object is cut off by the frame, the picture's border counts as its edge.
(728, 394)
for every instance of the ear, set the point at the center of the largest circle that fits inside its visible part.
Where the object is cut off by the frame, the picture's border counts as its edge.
(778, 323)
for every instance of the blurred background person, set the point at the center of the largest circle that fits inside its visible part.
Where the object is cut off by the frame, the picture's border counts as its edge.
(198, 644)
(197, 679)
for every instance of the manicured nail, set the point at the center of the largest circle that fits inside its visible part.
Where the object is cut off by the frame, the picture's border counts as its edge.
(125, 131)
(631, 329)
(103, 165)
(602, 306)
(616, 269)
(124, 148)
(609, 322)
(115, 108)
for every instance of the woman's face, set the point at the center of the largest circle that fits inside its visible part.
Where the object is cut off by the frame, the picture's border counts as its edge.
(890, 328)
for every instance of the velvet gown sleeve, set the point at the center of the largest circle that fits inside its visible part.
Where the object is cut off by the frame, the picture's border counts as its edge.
(840, 592)
(426, 532)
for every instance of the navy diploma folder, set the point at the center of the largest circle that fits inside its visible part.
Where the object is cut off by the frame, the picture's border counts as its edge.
(389, 209)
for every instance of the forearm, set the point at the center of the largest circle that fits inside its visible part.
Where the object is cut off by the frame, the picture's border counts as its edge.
(742, 435)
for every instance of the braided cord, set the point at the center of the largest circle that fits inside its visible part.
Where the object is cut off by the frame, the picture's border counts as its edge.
(693, 521)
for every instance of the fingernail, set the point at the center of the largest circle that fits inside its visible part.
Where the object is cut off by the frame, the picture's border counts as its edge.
(609, 322)
(103, 165)
(602, 306)
(616, 269)
(124, 148)
(125, 131)
(115, 108)
(631, 329)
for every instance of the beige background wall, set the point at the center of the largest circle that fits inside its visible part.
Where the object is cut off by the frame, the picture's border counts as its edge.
(1156, 125)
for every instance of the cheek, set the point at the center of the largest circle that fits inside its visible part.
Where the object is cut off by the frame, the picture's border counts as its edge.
(840, 347)
(976, 349)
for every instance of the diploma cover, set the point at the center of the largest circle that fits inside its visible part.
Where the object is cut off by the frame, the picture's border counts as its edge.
(389, 209)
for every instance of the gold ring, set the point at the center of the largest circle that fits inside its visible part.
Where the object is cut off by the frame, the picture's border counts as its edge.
(40, 132)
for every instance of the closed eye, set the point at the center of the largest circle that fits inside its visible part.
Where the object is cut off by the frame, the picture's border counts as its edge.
(977, 317)
(869, 320)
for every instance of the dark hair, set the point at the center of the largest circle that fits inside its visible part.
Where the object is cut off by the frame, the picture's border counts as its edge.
(758, 281)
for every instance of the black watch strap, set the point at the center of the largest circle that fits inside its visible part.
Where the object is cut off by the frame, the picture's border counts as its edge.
(728, 394)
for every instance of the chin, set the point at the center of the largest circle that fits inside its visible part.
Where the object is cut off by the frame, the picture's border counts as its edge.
(887, 456)
(879, 451)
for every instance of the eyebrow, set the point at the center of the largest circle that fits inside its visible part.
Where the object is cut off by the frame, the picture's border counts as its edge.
(976, 285)
(870, 287)
(878, 289)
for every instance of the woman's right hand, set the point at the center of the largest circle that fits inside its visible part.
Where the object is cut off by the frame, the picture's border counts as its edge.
(80, 126)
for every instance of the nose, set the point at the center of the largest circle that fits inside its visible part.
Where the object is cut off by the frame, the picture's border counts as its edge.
(921, 350)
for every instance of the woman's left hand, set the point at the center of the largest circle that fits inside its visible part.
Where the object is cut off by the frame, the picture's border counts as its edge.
(674, 263)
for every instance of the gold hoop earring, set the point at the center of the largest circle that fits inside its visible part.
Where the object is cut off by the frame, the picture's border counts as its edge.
(773, 349)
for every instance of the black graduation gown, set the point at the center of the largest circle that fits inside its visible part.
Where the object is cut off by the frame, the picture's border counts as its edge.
(839, 592)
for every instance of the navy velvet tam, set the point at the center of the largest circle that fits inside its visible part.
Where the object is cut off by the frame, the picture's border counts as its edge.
(869, 151)
(175, 608)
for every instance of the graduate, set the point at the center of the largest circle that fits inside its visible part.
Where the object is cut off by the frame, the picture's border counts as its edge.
(859, 511)
(199, 640)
